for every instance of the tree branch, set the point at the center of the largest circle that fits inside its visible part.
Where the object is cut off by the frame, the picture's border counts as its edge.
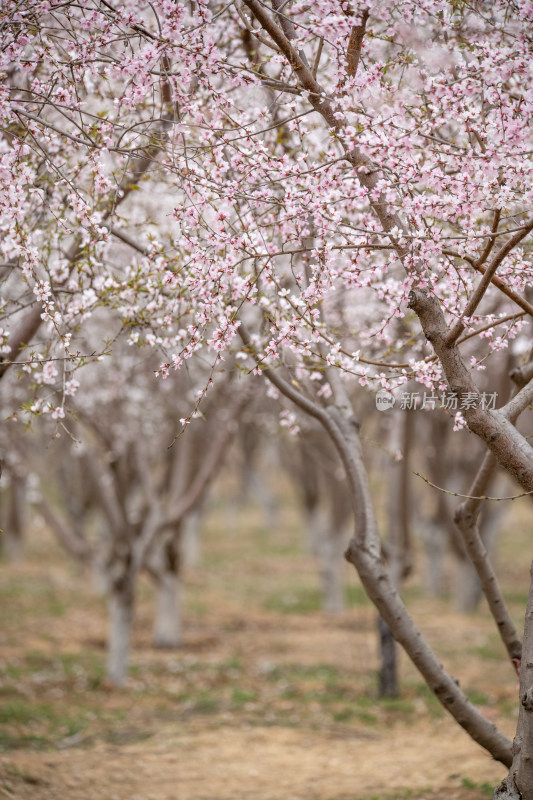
(22, 337)
(287, 27)
(511, 449)
(355, 44)
(210, 465)
(504, 289)
(466, 519)
(522, 375)
(518, 403)
(484, 283)
(490, 244)
(31, 324)
(74, 545)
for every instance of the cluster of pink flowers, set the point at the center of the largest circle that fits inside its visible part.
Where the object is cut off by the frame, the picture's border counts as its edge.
(165, 174)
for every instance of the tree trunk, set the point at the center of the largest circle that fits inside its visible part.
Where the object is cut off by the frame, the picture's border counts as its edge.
(519, 783)
(258, 489)
(469, 590)
(14, 527)
(316, 525)
(167, 626)
(388, 670)
(398, 546)
(434, 539)
(331, 546)
(121, 601)
(467, 586)
(466, 519)
(191, 549)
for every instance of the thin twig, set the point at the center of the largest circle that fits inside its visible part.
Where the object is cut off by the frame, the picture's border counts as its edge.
(469, 496)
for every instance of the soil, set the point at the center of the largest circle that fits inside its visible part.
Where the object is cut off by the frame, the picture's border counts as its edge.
(261, 763)
(242, 710)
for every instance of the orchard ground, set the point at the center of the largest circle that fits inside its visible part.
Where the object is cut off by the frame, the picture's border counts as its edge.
(268, 698)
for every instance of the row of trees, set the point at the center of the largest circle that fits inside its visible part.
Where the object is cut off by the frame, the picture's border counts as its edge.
(120, 500)
(329, 196)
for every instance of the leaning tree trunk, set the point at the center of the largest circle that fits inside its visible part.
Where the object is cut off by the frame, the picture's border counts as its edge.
(469, 589)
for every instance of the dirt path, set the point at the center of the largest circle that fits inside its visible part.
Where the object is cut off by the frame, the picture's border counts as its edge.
(260, 763)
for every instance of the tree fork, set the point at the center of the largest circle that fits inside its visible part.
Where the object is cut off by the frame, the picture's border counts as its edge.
(510, 448)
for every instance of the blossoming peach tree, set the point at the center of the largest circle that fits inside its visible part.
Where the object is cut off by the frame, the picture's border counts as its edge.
(340, 192)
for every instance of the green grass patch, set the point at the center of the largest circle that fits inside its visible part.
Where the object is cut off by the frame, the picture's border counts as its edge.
(204, 703)
(343, 714)
(356, 595)
(306, 600)
(36, 724)
(325, 673)
(518, 597)
(490, 651)
(367, 717)
(397, 705)
(85, 668)
(37, 596)
(240, 697)
(486, 789)
(21, 712)
(477, 698)
(400, 794)
(301, 601)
